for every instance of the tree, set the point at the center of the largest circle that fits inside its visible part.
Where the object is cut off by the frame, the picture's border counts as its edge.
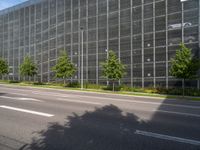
(113, 69)
(4, 68)
(184, 65)
(64, 68)
(28, 68)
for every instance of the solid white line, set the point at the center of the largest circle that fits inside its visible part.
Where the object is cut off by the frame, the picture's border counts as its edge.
(167, 137)
(120, 100)
(178, 113)
(21, 98)
(78, 101)
(27, 111)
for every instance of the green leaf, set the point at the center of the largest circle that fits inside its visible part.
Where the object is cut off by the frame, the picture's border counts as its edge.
(113, 69)
(183, 65)
(28, 67)
(64, 67)
(4, 68)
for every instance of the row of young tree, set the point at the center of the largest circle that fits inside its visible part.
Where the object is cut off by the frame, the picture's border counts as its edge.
(183, 66)
(113, 69)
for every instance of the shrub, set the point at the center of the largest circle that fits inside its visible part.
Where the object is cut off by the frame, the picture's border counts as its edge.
(110, 88)
(92, 86)
(73, 85)
(14, 81)
(38, 83)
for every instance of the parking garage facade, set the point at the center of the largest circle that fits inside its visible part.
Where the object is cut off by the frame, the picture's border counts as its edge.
(144, 34)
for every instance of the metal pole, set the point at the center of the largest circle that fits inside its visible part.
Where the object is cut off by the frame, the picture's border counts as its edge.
(107, 60)
(82, 58)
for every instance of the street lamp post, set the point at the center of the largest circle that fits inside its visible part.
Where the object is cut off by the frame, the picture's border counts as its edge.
(107, 53)
(81, 58)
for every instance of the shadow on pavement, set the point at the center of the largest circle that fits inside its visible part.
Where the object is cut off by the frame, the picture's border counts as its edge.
(1, 94)
(106, 128)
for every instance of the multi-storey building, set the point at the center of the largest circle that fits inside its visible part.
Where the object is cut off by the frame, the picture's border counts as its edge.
(144, 34)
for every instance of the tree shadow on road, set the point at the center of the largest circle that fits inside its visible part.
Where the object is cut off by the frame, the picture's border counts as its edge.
(104, 129)
(1, 94)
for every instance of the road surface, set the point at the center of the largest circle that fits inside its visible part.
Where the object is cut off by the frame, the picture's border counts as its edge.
(47, 119)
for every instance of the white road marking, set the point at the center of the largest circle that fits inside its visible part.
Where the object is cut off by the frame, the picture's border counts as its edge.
(131, 101)
(21, 98)
(178, 113)
(27, 111)
(120, 100)
(18, 94)
(78, 101)
(167, 137)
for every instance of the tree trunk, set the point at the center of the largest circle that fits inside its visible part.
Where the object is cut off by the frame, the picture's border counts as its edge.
(64, 81)
(113, 86)
(183, 87)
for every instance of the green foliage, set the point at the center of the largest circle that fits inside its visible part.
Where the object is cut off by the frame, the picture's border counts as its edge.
(184, 66)
(73, 85)
(110, 88)
(64, 68)
(28, 67)
(13, 81)
(113, 69)
(178, 91)
(92, 86)
(4, 68)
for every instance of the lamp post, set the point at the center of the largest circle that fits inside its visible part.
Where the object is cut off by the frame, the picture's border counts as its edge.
(81, 58)
(107, 55)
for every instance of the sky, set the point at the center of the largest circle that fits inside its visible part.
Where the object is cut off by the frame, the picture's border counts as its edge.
(9, 3)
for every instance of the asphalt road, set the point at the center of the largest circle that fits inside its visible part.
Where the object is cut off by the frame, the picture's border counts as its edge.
(47, 119)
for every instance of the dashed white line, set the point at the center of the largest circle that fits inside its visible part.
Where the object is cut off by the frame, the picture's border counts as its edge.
(167, 137)
(18, 94)
(21, 98)
(114, 99)
(178, 113)
(79, 101)
(27, 111)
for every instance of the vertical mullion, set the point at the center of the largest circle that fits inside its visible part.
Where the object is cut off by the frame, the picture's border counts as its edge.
(107, 25)
(48, 20)
(182, 29)
(198, 82)
(167, 62)
(13, 46)
(41, 44)
(19, 46)
(154, 49)
(35, 55)
(142, 43)
(97, 45)
(119, 35)
(86, 43)
(56, 38)
(29, 30)
(3, 53)
(71, 51)
(8, 47)
(131, 43)
(79, 47)
(24, 35)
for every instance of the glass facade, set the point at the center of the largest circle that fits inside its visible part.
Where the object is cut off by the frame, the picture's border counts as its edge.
(144, 34)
